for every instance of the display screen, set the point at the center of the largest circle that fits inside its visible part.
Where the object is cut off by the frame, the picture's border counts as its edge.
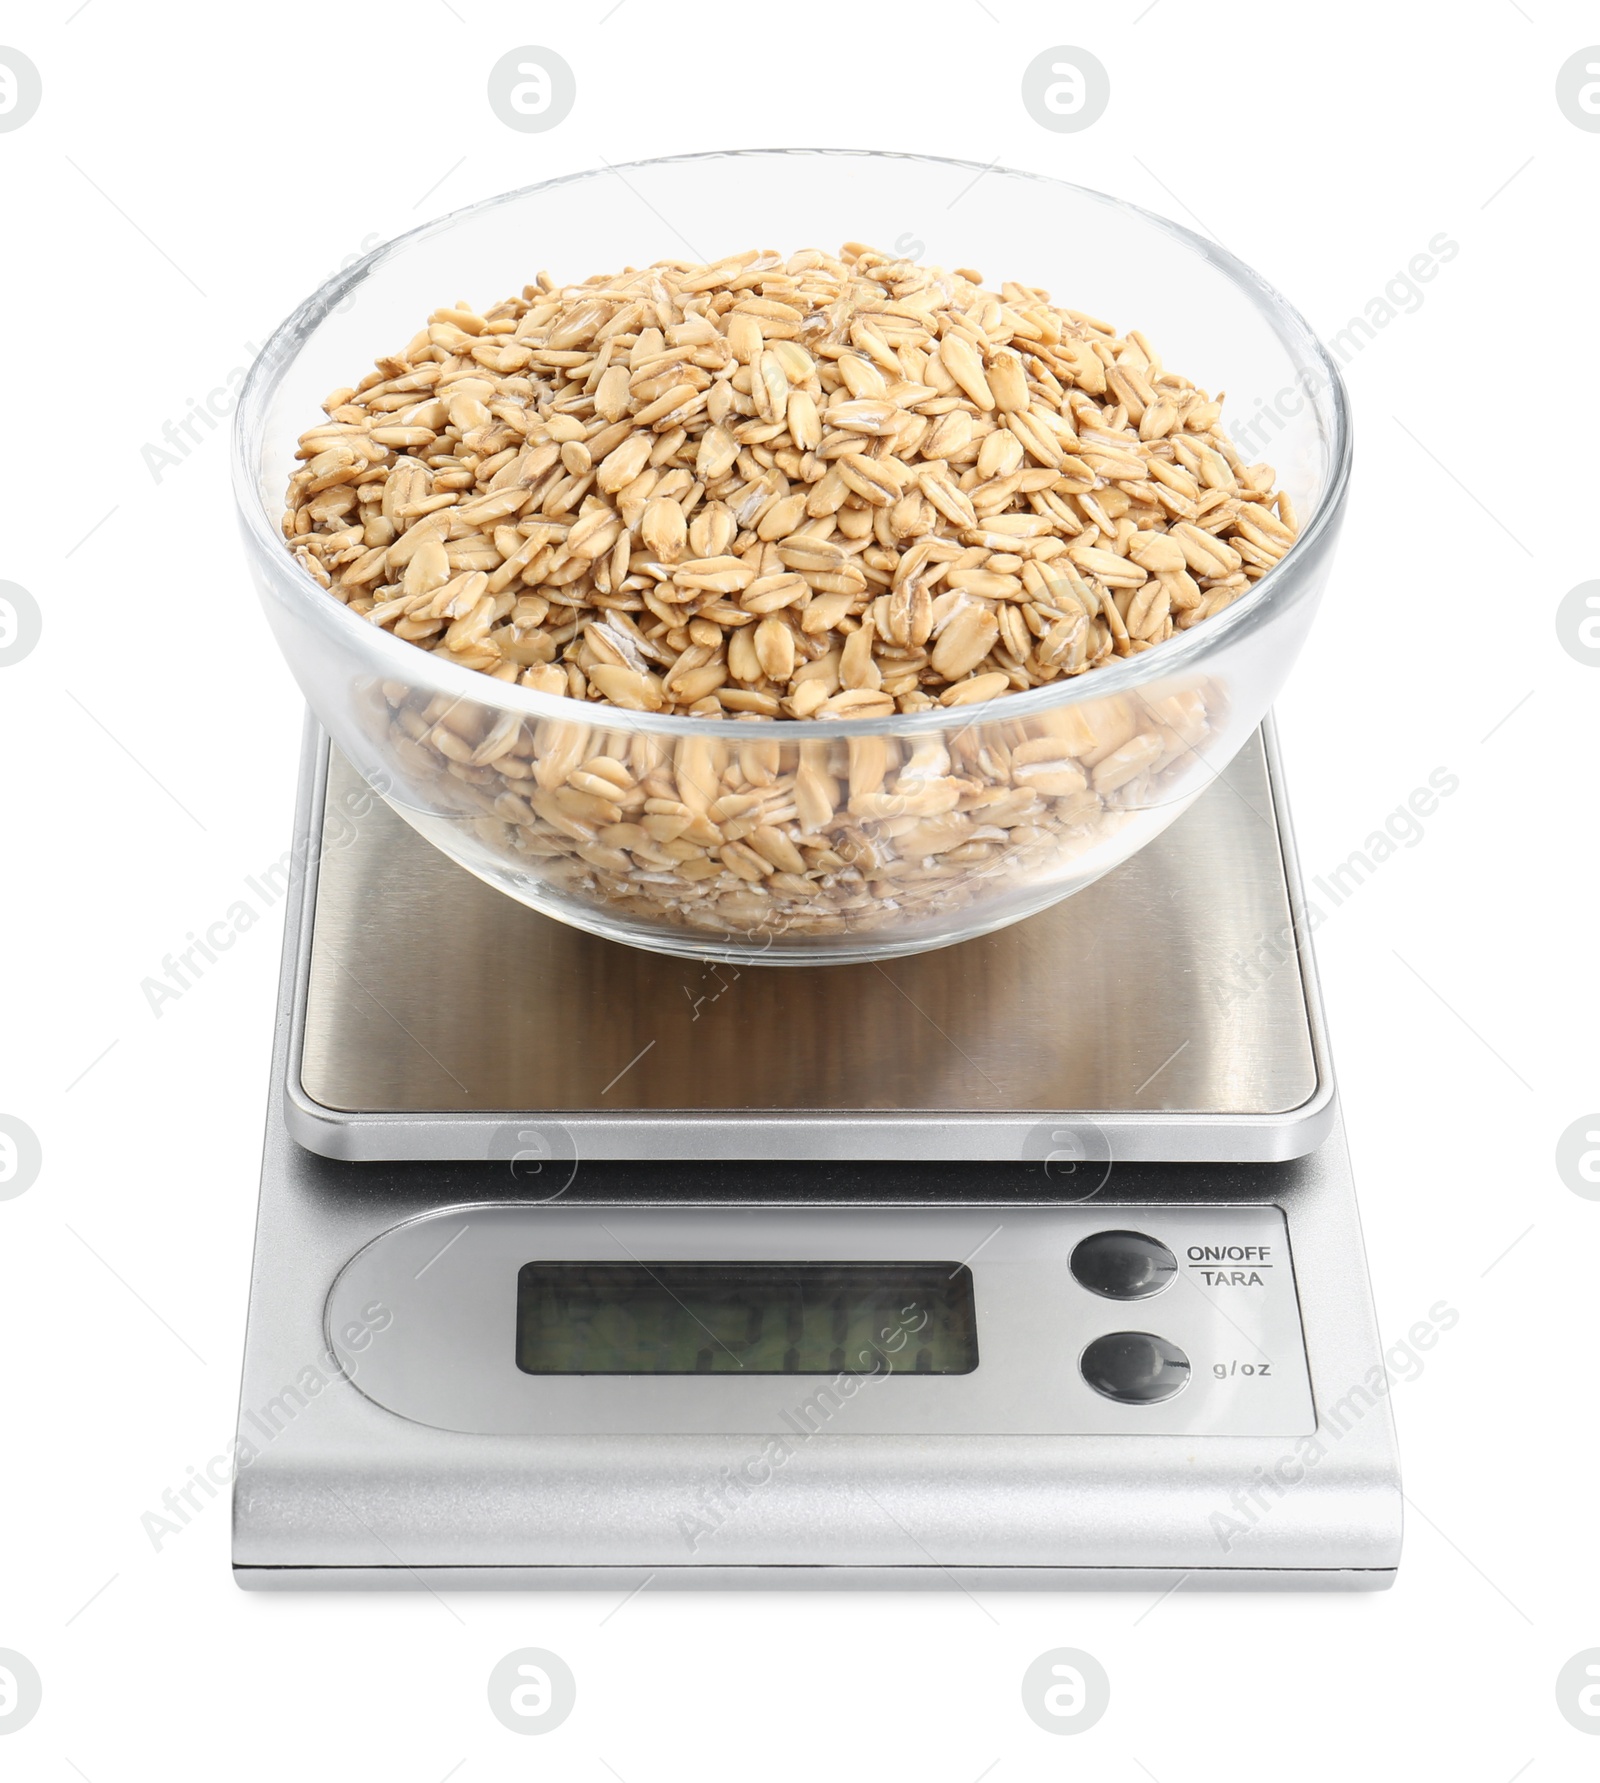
(746, 1318)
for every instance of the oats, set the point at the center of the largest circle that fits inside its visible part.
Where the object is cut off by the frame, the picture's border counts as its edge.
(1008, 382)
(827, 487)
(1155, 552)
(718, 575)
(960, 359)
(866, 416)
(952, 503)
(770, 387)
(807, 552)
(857, 669)
(872, 479)
(965, 639)
(1148, 611)
(985, 583)
(1123, 763)
(662, 529)
(979, 687)
(632, 688)
(775, 649)
(781, 519)
(857, 702)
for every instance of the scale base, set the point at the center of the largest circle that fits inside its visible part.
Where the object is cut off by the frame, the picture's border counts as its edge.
(1019, 1478)
(342, 1493)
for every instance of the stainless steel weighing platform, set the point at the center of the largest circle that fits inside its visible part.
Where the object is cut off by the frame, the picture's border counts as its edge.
(1031, 1261)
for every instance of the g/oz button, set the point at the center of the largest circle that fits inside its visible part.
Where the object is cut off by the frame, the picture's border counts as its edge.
(1134, 1367)
(1123, 1265)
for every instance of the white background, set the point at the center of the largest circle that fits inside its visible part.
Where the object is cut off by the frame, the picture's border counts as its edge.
(193, 172)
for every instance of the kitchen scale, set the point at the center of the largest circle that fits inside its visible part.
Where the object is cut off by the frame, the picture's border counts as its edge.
(1030, 1261)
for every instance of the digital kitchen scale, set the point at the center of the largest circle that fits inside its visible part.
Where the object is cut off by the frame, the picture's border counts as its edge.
(1029, 1261)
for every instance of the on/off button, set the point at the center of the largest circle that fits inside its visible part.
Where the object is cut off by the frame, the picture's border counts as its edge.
(1123, 1265)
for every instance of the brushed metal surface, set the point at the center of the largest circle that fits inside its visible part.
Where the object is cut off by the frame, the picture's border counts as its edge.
(446, 1356)
(1170, 992)
(334, 1490)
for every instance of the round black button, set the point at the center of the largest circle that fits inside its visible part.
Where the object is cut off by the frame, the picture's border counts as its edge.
(1134, 1367)
(1123, 1265)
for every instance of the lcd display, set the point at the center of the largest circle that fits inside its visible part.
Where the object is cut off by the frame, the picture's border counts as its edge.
(745, 1318)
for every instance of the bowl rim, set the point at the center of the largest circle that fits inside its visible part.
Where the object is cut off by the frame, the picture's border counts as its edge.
(425, 669)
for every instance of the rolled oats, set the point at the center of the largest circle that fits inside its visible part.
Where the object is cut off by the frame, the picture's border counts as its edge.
(814, 487)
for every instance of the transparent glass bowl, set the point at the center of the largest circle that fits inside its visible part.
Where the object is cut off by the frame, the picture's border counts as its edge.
(938, 826)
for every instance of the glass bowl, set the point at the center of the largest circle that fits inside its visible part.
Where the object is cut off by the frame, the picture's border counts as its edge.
(805, 841)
